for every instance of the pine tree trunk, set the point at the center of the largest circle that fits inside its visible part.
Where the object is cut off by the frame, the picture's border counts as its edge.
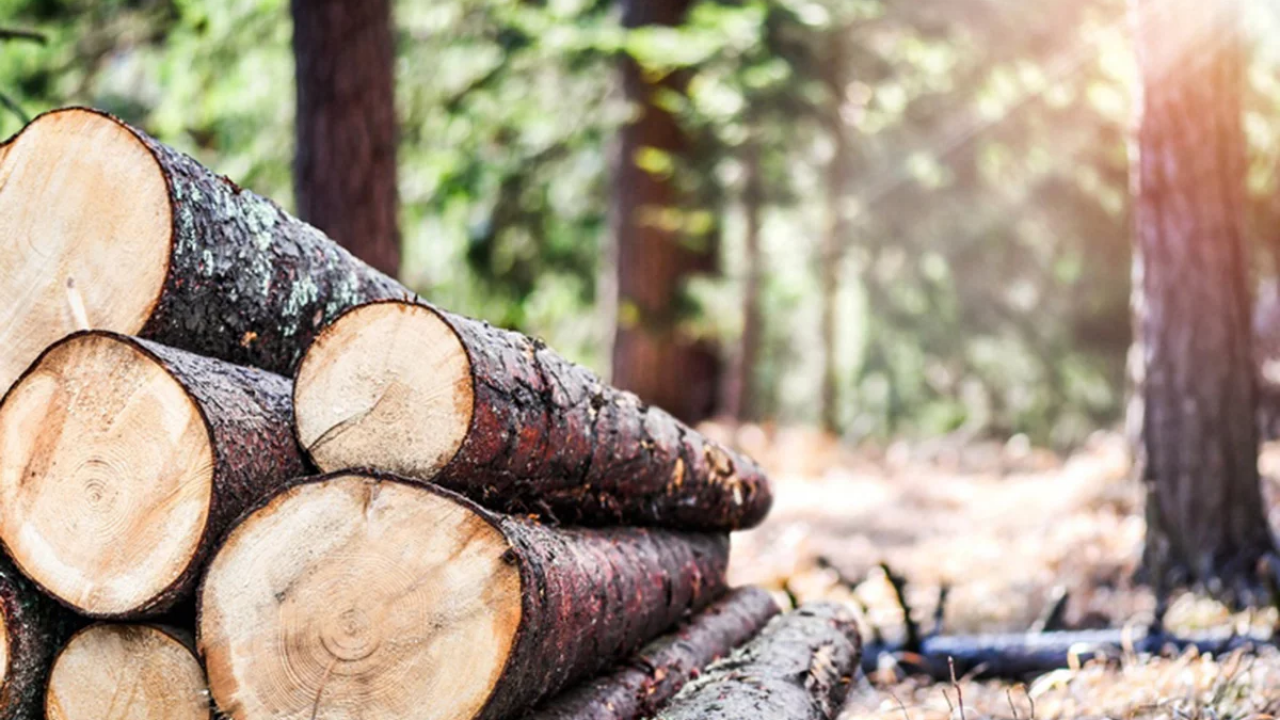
(652, 676)
(741, 400)
(658, 250)
(345, 162)
(1198, 451)
(837, 231)
(32, 630)
(407, 388)
(355, 596)
(798, 668)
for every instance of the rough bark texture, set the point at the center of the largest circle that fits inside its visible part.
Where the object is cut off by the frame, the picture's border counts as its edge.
(652, 676)
(247, 412)
(345, 163)
(247, 282)
(37, 627)
(1198, 445)
(798, 668)
(657, 254)
(592, 597)
(548, 436)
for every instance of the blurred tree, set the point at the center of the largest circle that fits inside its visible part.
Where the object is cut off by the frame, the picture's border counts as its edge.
(1198, 446)
(345, 161)
(662, 238)
(836, 232)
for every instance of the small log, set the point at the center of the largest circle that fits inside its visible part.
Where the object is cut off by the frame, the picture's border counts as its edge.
(128, 671)
(122, 462)
(103, 227)
(32, 628)
(356, 596)
(798, 668)
(406, 388)
(651, 677)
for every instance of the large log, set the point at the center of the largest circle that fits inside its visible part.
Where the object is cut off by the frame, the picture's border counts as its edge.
(798, 668)
(410, 389)
(652, 676)
(355, 596)
(127, 671)
(32, 628)
(101, 226)
(123, 461)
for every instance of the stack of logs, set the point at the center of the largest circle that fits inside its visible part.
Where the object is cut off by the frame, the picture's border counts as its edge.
(241, 470)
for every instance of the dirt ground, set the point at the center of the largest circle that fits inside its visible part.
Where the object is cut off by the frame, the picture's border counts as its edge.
(1008, 528)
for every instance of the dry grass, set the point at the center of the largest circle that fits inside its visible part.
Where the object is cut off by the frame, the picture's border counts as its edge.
(1005, 527)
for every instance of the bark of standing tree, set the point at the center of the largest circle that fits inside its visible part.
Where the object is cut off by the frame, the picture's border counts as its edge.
(837, 230)
(1197, 449)
(656, 253)
(345, 162)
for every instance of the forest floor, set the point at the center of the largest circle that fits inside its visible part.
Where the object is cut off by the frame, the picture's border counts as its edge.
(1007, 528)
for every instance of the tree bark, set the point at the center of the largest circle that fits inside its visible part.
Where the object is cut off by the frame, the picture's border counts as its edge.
(345, 161)
(741, 401)
(241, 280)
(798, 668)
(658, 250)
(34, 629)
(245, 413)
(505, 420)
(526, 608)
(1198, 447)
(655, 674)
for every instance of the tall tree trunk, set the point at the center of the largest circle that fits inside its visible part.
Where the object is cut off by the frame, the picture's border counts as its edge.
(1198, 444)
(657, 254)
(837, 230)
(740, 399)
(345, 164)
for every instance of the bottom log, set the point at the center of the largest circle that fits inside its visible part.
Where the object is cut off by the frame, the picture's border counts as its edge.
(127, 672)
(656, 673)
(355, 597)
(32, 628)
(798, 668)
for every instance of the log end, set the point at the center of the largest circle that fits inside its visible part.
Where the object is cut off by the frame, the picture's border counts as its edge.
(352, 597)
(128, 671)
(386, 385)
(85, 229)
(106, 474)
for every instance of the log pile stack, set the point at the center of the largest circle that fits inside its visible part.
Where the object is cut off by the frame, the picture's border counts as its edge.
(286, 487)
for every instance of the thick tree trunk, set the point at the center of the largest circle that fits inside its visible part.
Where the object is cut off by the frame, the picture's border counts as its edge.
(1199, 443)
(798, 668)
(345, 164)
(831, 252)
(104, 227)
(332, 570)
(408, 388)
(128, 671)
(32, 629)
(658, 249)
(125, 461)
(655, 674)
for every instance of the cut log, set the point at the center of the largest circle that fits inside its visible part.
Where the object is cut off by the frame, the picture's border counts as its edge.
(409, 389)
(353, 596)
(798, 668)
(651, 677)
(103, 227)
(128, 672)
(32, 628)
(123, 461)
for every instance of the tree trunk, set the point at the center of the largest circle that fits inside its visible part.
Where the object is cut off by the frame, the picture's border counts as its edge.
(128, 671)
(122, 233)
(407, 388)
(651, 677)
(332, 570)
(798, 668)
(344, 172)
(741, 401)
(125, 461)
(1198, 452)
(658, 248)
(32, 628)
(831, 253)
